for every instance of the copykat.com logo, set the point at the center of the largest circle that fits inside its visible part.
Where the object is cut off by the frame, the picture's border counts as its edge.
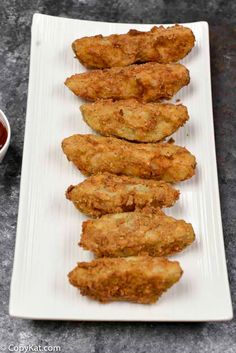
(29, 348)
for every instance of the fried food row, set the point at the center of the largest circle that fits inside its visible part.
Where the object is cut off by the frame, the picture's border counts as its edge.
(134, 120)
(109, 193)
(163, 45)
(136, 233)
(161, 161)
(132, 233)
(140, 279)
(147, 82)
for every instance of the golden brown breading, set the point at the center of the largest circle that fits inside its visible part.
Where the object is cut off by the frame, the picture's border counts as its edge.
(136, 233)
(161, 161)
(108, 193)
(147, 82)
(134, 120)
(163, 45)
(140, 279)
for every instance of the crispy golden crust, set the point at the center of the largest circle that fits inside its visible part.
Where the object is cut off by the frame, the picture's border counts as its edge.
(161, 161)
(163, 45)
(136, 279)
(147, 82)
(134, 120)
(108, 193)
(136, 233)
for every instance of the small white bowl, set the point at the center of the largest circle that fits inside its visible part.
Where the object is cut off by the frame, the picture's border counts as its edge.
(5, 122)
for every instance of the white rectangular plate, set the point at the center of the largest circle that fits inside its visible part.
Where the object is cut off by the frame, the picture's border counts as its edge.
(49, 226)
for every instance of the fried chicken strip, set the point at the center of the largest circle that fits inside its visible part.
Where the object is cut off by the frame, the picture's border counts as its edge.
(140, 279)
(161, 161)
(136, 233)
(134, 120)
(147, 82)
(108, 193)
(163, 45)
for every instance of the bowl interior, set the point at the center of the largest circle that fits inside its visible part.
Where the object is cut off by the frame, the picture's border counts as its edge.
(6, 124)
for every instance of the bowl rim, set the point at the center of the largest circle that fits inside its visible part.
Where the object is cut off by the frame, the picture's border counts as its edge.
(5, 122)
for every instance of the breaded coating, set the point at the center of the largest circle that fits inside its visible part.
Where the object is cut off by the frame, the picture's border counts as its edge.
(136, 233)
(161, 161)
(163, 45)
(140, 279)
(147, 82)
(108, 193)
(134, 120)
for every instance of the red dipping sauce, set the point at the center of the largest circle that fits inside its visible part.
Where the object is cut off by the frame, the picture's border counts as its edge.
(3, 135)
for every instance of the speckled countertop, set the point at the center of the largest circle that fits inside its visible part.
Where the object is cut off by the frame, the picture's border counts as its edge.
(15, 21)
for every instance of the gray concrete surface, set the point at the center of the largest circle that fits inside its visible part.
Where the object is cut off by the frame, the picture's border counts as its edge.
(15, 21)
